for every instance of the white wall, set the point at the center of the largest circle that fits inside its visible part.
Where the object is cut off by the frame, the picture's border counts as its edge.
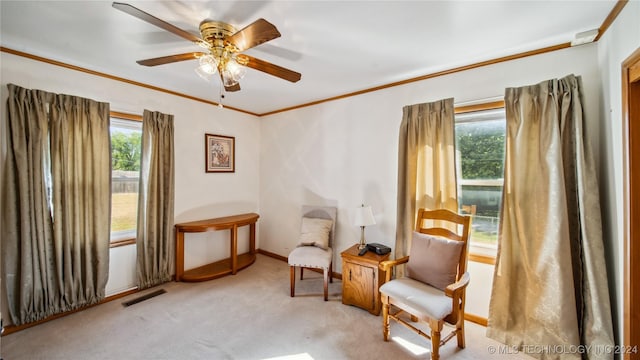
(479, 289)
(617, 44)
(344, 152)
(198, 195)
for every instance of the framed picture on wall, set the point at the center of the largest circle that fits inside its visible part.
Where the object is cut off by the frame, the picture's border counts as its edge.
(220, 153)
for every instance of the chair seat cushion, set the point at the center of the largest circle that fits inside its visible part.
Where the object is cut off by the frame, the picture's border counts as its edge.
(310, 256)
(419, 296)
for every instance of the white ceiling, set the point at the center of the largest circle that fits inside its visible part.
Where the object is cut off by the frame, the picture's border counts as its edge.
(338, 46)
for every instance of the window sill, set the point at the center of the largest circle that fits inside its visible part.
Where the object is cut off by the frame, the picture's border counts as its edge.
(482, 258)
(122, 242)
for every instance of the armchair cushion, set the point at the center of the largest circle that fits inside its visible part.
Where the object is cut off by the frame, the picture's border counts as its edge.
(419, 297)
(434, 260)
(315, 232)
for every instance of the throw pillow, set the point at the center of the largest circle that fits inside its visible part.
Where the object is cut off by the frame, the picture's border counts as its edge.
(433, 260)
(315, 232)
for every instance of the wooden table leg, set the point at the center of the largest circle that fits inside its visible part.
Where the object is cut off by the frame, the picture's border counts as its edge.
(179, 255)
(252, 238)
(234, 249)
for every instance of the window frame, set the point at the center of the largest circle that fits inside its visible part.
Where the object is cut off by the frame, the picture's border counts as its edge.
(478, 256)
(125, 240)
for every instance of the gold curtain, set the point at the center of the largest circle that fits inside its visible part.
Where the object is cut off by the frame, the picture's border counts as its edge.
(81, 195)
(155, 240)
(550, 286)
(55, 209)
(426, 166)
(27, 234)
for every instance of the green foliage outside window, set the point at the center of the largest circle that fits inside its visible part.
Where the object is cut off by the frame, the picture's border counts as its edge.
(125, 150)
(481, 146)
(480, 143)
(126, 139)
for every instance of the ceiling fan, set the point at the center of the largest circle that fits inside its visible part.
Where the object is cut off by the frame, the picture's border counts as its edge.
(225, 46)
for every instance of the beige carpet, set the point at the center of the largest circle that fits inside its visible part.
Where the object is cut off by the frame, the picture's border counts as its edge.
(246, 316)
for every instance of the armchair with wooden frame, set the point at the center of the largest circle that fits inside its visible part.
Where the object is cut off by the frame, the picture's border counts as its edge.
(433, 289)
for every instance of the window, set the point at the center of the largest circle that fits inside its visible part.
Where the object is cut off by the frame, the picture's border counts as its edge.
(126, 136)
(480, 144)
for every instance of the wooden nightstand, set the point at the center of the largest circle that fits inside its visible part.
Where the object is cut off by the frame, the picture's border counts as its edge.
(361, 279)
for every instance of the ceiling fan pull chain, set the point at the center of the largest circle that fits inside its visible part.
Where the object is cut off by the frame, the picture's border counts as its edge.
(221, 96)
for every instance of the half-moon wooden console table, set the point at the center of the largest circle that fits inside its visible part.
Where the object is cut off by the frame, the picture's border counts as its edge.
(224, 267)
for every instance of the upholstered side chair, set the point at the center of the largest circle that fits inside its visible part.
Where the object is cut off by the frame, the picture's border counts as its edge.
(317, 234)
(433, 290)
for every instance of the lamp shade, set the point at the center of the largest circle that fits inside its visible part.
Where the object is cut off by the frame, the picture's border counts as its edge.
(363, 216)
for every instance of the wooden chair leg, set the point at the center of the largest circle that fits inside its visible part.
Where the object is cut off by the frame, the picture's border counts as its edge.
(385, 321)
(460, 332)
(292, 271)
(436, 328)
(331, 273)
(460, 323)
(326, 284)
(301, 271)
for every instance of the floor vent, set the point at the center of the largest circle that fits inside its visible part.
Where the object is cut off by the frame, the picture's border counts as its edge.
(144, 297)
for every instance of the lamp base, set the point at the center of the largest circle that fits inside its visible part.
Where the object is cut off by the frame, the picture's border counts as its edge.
(362, 244)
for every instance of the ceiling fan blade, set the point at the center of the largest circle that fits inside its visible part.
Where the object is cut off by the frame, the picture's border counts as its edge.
(170, 59)
(134, 11)
(256, 33)
(270, 68)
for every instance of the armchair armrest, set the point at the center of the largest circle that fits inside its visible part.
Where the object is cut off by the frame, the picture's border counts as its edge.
(387, 266)
(452, 289)
(456, 292)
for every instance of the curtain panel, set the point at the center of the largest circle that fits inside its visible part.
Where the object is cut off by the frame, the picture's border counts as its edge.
(426, 166)
(81, 183)
(550, 285)
(155, 239)
(55, 207)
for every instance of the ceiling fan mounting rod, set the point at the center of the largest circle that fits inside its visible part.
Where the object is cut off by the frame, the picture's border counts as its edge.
(215, 34)
(215, 30)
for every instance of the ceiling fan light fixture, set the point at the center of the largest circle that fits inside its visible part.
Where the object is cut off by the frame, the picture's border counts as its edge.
(208, 67)
(228, 79)
(236, 70)
(203, 74)
(232, 72)
(208, 64)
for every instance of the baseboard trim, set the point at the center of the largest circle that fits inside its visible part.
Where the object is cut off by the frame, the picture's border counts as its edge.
(273, 255)
(10, 329)
(476, 319)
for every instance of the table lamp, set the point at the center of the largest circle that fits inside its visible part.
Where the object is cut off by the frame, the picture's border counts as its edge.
(363, 217)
